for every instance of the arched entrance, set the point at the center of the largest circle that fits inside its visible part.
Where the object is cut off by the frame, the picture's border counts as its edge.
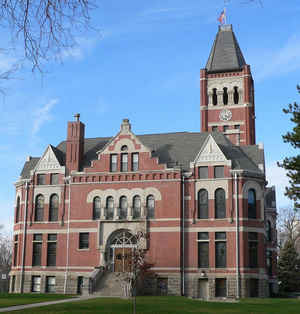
(120, 246)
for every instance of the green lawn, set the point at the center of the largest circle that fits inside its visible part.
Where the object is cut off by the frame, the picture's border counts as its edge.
(171, 305)
(18, 299)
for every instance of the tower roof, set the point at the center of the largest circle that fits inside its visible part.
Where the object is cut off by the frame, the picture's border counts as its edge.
(225, 54)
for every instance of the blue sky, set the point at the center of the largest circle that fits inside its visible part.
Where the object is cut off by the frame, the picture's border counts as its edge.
(143, 64)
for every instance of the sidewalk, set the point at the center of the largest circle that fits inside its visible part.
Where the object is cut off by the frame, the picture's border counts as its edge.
(28, 306)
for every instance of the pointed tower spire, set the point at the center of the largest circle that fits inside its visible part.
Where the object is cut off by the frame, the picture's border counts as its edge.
(225, 54)
(227, 91)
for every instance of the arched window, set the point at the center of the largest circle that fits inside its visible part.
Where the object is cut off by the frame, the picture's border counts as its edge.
(39, 208)
(136, 207)
(150, 204)
(215, 97)
(96, 207)
(53, 207)
(236, 95)
(220, 203)
(123, 207)
(225, 96)
(202, 204)
(251, 204)
(269, 231)
(18, 210)
(109, 207)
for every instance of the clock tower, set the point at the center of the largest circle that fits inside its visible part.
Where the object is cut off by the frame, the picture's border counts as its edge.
(227, 91)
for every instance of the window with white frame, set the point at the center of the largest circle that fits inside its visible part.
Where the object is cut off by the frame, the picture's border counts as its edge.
(36, 284)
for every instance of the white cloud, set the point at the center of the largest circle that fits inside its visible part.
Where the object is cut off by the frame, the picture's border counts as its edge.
(6, 216)
(6, 62)
(277, 176)
(82, 46)
(43, 115)
(75, 53)
(282, 61)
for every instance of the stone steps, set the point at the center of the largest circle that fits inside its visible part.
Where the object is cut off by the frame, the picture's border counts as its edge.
(113, 284)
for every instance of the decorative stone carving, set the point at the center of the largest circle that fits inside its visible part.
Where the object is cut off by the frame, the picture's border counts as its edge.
(210, 151)
(48, 161)
(229, 82)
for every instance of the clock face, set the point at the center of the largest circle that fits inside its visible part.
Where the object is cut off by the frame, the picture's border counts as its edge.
(225, 115)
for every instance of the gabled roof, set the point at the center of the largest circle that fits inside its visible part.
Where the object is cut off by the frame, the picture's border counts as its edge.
(28, 166)
(225, 54)
(172, 149)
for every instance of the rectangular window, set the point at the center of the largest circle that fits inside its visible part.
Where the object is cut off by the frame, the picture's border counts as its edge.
(203, 172)
(220, 249)
(124, 162)
(37, 249)
(41, 179)
(51, 250)
(162, 286)
(254, 288)
(214, 128)
(16, 250)
(50, 284)
(135, 162)
(225, 128)
(219, 171)
(269, 262)
(237, 126)
(253, 249)
(221, 287)
(113, 162)
(84, 240)
(36, 284)
(54, 178)
(203, 250)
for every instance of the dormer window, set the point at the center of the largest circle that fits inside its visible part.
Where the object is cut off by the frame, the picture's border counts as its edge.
(124, 162)
(203, 172)
(54, 178)
(225, 128)
(41, 179)
(215, 97)
(225, 96)
(135, 162)
(219, 171)
(235, 95)
(113, 162)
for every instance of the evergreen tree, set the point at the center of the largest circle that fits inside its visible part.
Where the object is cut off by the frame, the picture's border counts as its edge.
(289, 268)
(292, 164)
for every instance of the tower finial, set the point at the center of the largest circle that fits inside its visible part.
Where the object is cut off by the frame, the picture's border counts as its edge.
(77, 116)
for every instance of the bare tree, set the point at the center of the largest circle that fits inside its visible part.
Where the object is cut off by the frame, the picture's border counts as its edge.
(288, 223)
(5, 250)
(44, 28)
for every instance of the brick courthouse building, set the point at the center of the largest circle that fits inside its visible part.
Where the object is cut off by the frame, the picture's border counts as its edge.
(201, 198)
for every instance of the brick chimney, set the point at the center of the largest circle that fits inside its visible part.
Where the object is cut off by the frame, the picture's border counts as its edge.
(75, 143)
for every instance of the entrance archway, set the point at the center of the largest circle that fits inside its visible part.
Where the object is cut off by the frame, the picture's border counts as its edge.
(120, 245)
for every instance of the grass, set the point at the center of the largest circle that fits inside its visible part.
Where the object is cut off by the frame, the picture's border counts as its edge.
(7, 300)
(171, 305)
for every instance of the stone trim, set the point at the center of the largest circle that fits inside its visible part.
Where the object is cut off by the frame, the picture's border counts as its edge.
(129, 193)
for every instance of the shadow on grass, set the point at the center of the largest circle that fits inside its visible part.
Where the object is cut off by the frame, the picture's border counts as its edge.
(171, 305)
(13, 299)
